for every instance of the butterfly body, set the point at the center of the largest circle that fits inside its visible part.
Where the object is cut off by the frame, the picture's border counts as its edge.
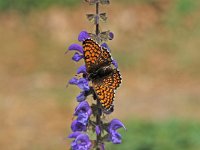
(105, 78)
(100, 73)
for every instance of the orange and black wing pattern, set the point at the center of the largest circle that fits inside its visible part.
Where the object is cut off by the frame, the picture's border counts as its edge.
(105, 89)
(114, 80)
(105, 95)
(95, 56)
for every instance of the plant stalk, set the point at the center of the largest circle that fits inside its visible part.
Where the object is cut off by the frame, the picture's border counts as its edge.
(98, 116)
(97, 17)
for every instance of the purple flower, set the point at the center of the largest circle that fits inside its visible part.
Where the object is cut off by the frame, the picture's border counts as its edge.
(75, 47)
(111, 35)
(74, 134)
(83, 36)
(116, 124)
(84, 108)
(83, 118)
(83, 111)
(78, 126)
(105, 46)
(73, 81)
(81, 69)
(82, 83)
(77, 57)
(114, 136)
(81, 142)
(97, 129)
(114, 62)
(81, 97)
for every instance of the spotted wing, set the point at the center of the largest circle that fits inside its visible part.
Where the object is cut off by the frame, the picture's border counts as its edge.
(113, 80)
(105, 95)
(105, 89)
(95, 56)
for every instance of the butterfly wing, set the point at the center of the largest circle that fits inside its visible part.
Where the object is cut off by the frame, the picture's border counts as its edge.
(105, 89)
(105, 95)
(113, 80)
(95, 56)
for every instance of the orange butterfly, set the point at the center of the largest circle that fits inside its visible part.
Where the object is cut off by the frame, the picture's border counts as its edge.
(105, 78)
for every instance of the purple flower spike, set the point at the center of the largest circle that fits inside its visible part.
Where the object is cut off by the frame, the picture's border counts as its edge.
(97, 129)
(114, 136)
(83, 36)
(76, 47)
(81, 97)
(105, 46)
(77, 126)
(114, 62)
(82, 142)
(81, 69)
(83, 107)
(77, 57)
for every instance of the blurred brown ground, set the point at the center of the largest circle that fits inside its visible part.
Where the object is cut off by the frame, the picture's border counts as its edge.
(159, 64)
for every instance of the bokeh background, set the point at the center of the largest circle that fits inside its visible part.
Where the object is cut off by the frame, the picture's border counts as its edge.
(156, 45)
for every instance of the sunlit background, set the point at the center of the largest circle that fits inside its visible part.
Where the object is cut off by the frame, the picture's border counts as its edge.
(157, 46)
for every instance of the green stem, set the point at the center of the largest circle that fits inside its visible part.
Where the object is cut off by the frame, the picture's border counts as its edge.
(98, 116)
(97, 14)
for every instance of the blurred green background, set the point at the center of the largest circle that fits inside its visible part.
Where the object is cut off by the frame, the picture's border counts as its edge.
(156, 45)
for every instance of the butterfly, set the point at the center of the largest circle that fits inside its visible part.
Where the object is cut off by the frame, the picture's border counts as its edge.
(105, 78)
